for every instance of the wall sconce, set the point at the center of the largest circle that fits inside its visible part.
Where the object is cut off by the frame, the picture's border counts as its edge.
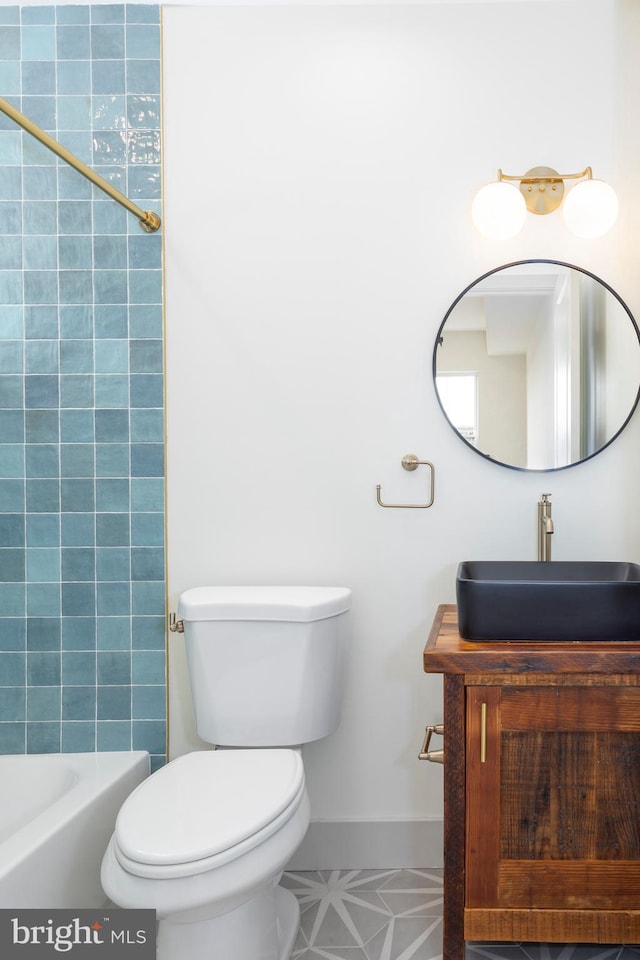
(499, 209)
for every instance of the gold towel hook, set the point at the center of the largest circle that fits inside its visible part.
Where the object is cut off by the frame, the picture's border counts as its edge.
(411, 462)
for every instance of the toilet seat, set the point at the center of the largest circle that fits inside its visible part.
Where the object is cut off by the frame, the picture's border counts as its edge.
(205, 809)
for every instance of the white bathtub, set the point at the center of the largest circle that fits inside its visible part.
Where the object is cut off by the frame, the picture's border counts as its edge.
(57, 814)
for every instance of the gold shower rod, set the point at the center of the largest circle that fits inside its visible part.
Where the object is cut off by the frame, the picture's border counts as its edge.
(148, 220)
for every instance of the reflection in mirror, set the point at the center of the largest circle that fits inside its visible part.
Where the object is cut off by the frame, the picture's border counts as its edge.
(537, 365)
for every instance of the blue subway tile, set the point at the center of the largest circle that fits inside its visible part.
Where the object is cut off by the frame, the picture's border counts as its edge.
(78, 563)
(112, 460)
(12, 529)
(147, 529)
(78, 737)
(41, 356)
(147, 460)
(114, 633)
(77, 460)
(76, 390)
(10, 43)
(77, 496)
(147, 563)
(42, 460)
(112, 390)
(107, 41)
(12, 704)
(43, 737)
(43, 565)
(76, 356)
(146, 356)
(39, 217)
(11, 495)
(76, 321)
(40, 392)
(43, 703)
(149, 702)
(112, 356)
(108, 76)
(12, 426)
(78, 702)
(11, 391)
(38, 14)
(43, 496)
(111, 321)
(143, 76)
(12, 564)
(78, 668)
(110, 252)
(13, 669)
(113, 563)
(114, 703)
(42, 529)
(38, 76)
(39, 42)
(114, 667)
(149, 633)
(151, 733)
(112, 495)
(113, 597)
(12, 737)
(77, 425)
(73, 76)
(12, 600)
(39, 183)
(73, 42)
(76, 286)
(13, 634)
(43, 669)
(78, 600)
(41, 426)
(43, 633)
(10, 251)
(43, 600)
(114, 735)
(40, 253)
(40, 322)
(112, 426)
(74, 253)
(11, 356)
(78, 529)
(112, 530)
(11, 460)
(78, 633)
(147, 494)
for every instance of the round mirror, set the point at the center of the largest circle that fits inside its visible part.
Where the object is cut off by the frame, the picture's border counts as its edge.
(537, 365)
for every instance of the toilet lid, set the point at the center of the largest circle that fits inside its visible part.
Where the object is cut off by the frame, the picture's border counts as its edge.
(203, 803)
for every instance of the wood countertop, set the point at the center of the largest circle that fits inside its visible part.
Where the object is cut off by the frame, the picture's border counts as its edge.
(446, 652)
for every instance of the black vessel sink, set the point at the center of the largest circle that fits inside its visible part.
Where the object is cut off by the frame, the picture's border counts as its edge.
(559, 601)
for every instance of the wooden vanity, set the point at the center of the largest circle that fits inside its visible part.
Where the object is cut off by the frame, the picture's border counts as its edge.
(541, 789)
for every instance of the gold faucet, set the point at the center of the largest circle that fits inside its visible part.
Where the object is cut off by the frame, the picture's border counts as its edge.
(545, 528)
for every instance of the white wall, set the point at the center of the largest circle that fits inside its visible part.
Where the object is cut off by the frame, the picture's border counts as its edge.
(319, 164)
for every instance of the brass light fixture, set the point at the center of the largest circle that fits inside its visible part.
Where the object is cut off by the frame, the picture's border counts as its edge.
(499, 209)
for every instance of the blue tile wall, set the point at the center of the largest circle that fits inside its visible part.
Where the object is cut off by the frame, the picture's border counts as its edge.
(82, 572)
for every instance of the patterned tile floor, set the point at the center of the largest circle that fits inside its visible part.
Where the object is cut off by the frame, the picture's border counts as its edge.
(397, 915)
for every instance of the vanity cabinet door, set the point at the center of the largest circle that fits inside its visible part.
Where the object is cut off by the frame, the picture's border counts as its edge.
(552, 801)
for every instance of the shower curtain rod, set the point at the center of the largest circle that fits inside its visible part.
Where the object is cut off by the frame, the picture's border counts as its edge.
(148, 220)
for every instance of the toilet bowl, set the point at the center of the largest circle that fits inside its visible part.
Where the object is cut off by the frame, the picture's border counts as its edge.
(205, 839)
(204, 842)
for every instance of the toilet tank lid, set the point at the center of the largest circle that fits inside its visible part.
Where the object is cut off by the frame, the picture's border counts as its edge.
(263, 603)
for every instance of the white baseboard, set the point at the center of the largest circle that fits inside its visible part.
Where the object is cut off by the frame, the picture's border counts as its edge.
(369, 845)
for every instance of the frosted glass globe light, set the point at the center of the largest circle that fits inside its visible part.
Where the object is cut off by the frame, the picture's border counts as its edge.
(590, 209)
(499, 210)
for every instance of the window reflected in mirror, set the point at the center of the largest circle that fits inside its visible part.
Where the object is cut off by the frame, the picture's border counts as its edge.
(537, 365)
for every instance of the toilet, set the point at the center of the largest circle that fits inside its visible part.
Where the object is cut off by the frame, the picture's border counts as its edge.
(205, 839)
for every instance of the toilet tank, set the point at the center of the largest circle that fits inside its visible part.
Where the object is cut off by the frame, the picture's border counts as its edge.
(266, 664)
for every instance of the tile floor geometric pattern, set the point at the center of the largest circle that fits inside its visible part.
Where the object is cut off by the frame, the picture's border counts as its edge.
(397, 915)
